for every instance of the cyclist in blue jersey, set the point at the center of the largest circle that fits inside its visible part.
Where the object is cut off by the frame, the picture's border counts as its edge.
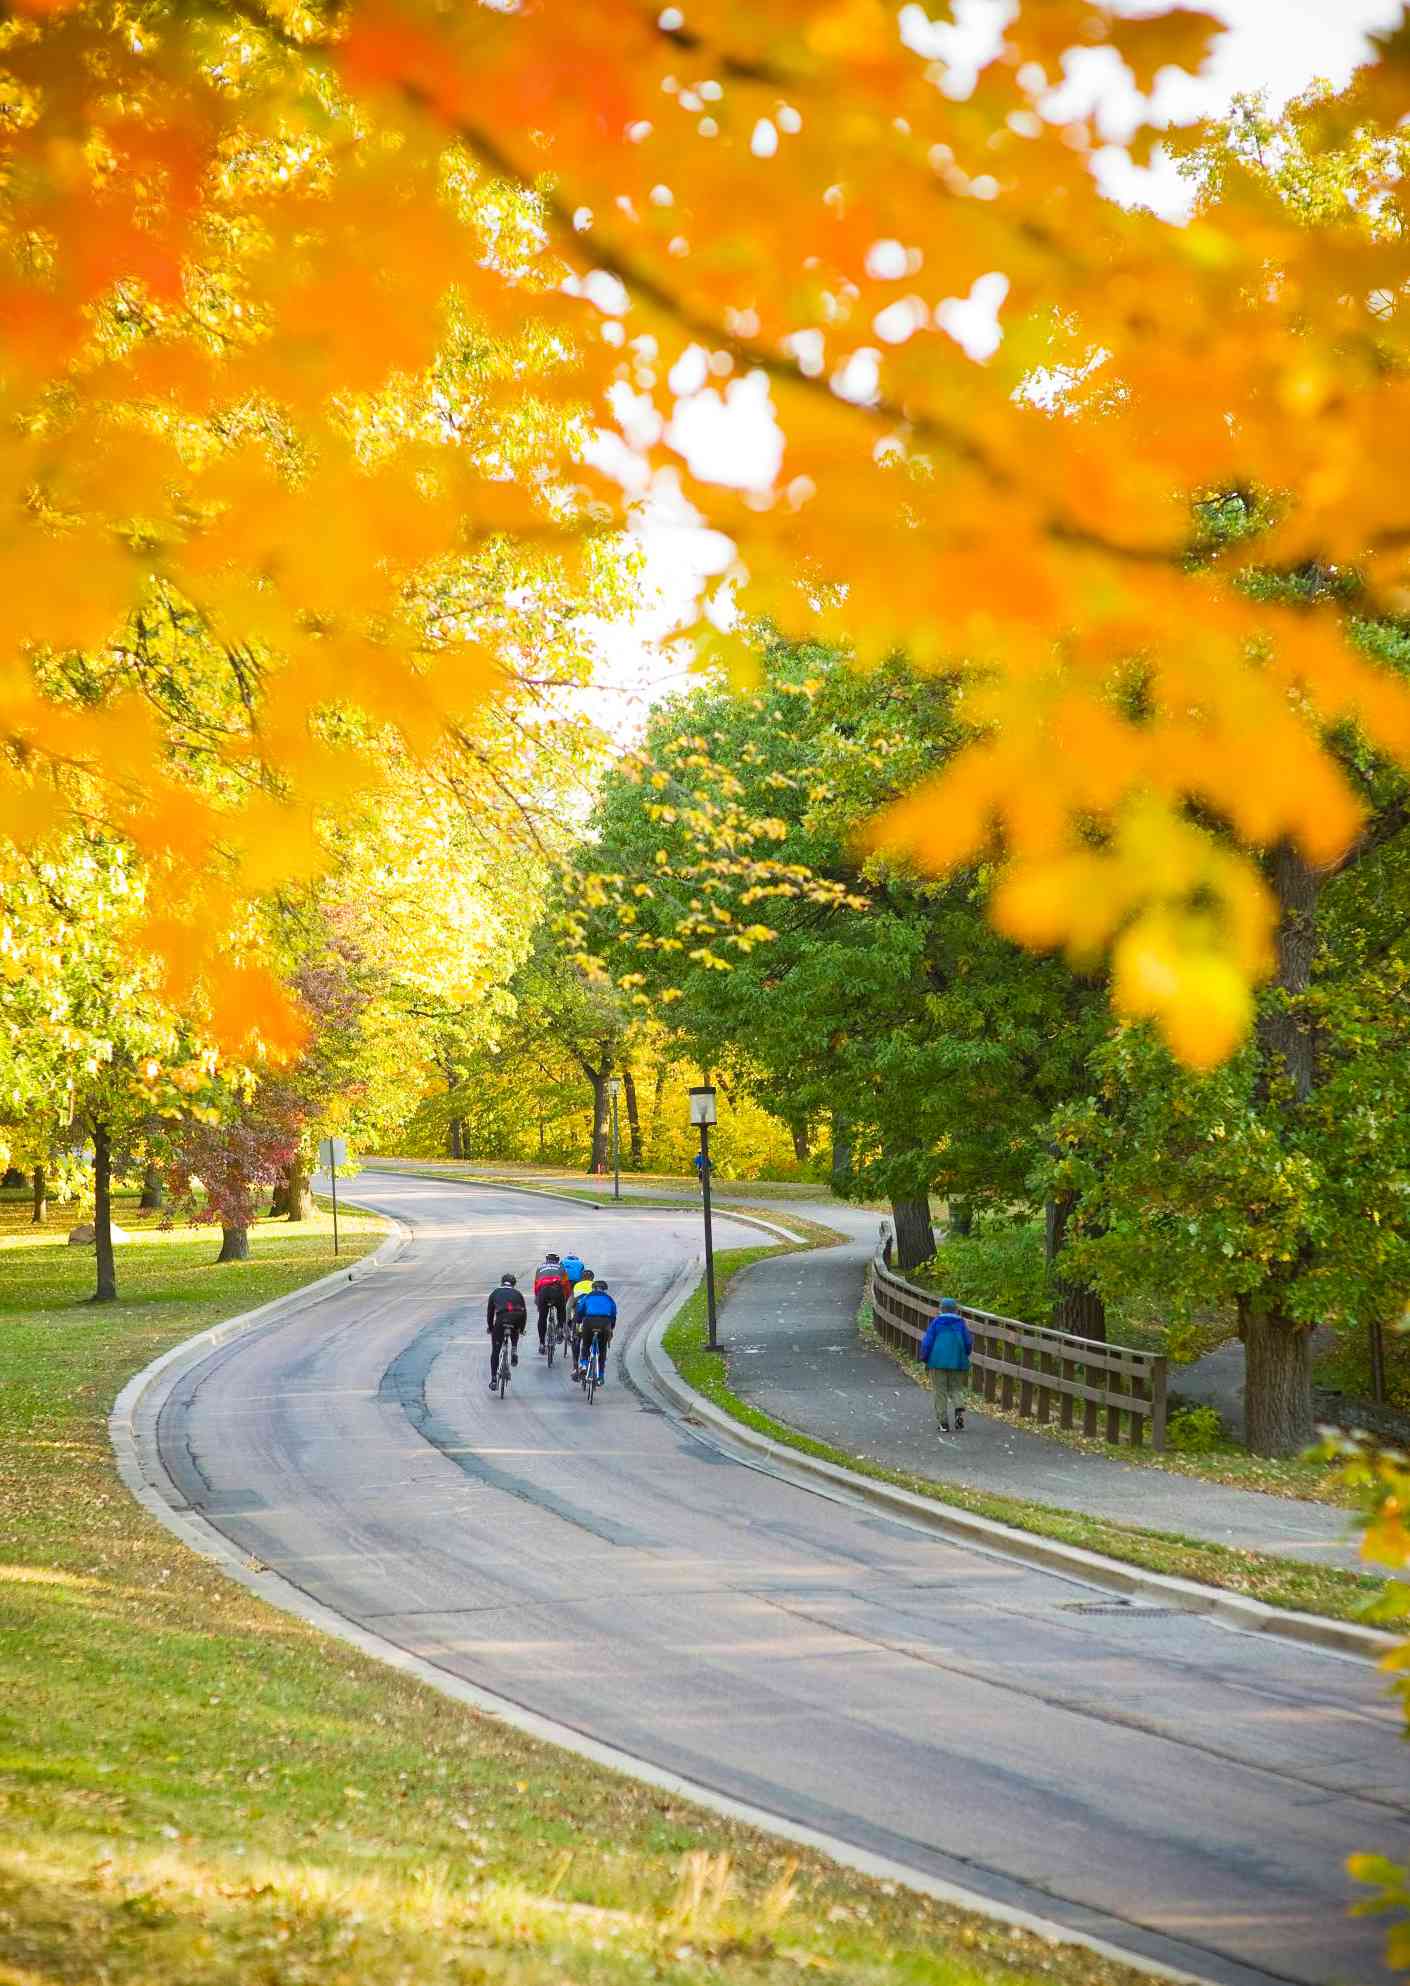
(597, 1318)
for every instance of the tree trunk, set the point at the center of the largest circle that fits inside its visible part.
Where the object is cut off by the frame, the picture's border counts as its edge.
(234, 1244)
(106, 1290)
(279, 1198)
(798, 1131)
(633, 1120)
(960, 1219)
(40, 1211)
(915, 1237)
(1076, 1306)
(1277, 1380)
(153, 1193)
(1285, 1034)
(1277, 1352)
(601, 1121)
(300, 1191)
(1376, 1333)
(455, 1138)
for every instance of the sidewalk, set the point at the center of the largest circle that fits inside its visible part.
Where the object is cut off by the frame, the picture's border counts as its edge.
(794, 1352)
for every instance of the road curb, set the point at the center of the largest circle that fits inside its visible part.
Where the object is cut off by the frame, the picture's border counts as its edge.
(123, 1415)
(144, 1477)
(1233, 1610)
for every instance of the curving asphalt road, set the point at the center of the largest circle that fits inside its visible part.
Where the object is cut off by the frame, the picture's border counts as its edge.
(1183, 1790)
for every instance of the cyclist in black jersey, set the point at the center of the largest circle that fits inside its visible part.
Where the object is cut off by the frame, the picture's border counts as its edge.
(506, 1311)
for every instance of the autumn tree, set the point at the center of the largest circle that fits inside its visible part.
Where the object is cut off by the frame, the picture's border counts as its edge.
(242, 287)
(1277, 1184)
(873, 995)
(90, 1053)
(569, 1027)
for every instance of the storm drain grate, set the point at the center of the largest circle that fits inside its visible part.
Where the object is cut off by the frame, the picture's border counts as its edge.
(1121, 1608)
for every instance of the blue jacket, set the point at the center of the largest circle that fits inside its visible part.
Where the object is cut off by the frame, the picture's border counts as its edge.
(947, 1343)
(573, 1269)
(597, 1307)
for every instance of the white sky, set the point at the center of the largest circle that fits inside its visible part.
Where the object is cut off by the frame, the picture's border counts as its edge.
(725, 429)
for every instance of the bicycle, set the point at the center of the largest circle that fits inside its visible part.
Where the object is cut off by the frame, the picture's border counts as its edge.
(594, 1369)
(557, 1334)
(506, 1359)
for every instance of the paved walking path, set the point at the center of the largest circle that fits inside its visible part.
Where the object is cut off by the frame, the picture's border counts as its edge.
(794, 1351)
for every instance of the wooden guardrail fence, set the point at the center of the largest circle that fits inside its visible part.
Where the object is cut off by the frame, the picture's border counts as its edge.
(1036, 1369)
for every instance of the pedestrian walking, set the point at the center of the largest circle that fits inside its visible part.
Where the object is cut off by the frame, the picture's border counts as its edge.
(945, 1351)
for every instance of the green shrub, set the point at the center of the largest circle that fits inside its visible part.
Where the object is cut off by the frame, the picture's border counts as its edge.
(1000, 1268)
(1194, 1431)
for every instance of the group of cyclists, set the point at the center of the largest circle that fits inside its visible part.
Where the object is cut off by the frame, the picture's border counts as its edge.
(575, 1309)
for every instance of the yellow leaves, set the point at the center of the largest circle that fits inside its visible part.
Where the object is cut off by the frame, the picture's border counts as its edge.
(1199, 1000)
(40, 601)
(182, 944)
(1386, 1539)
(30, 809)
(852, 31)
(174, 821)
(250, 1008)
(1179, 38)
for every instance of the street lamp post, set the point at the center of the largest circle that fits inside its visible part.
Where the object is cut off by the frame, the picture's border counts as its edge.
(614, 1085)
(702, 1112)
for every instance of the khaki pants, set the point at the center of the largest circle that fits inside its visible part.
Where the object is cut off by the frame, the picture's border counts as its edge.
(950, 1389)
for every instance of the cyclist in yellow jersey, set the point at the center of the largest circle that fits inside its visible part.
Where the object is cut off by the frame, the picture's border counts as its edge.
(581, 1288)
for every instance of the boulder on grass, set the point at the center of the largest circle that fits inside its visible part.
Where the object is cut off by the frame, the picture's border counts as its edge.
(85, 1235)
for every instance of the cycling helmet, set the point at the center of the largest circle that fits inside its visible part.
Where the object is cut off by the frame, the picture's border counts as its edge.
(587, 1275)
(599, 1284)
(550, 1257)
(507, 1281)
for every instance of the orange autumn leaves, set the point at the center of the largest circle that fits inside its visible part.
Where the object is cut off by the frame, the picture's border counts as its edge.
(254, 360)
(793, 188)
(238, 248)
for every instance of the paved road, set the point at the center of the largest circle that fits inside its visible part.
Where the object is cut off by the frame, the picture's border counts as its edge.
(1184, 1790)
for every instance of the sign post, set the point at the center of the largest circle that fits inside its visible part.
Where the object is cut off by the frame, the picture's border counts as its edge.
(333, 1152)
(614, 1084)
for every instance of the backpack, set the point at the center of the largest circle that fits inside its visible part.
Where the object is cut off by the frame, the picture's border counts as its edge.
(948, 1352)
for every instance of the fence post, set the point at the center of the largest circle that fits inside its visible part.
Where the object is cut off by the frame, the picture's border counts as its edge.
(1159, 1372)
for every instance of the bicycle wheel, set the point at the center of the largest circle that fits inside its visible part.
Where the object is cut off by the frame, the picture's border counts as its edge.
(590, 1380)
(551, 1341)
(504, 1372)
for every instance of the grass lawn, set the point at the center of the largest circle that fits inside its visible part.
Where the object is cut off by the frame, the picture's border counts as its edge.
(1280, 1582)
(196, 1790)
